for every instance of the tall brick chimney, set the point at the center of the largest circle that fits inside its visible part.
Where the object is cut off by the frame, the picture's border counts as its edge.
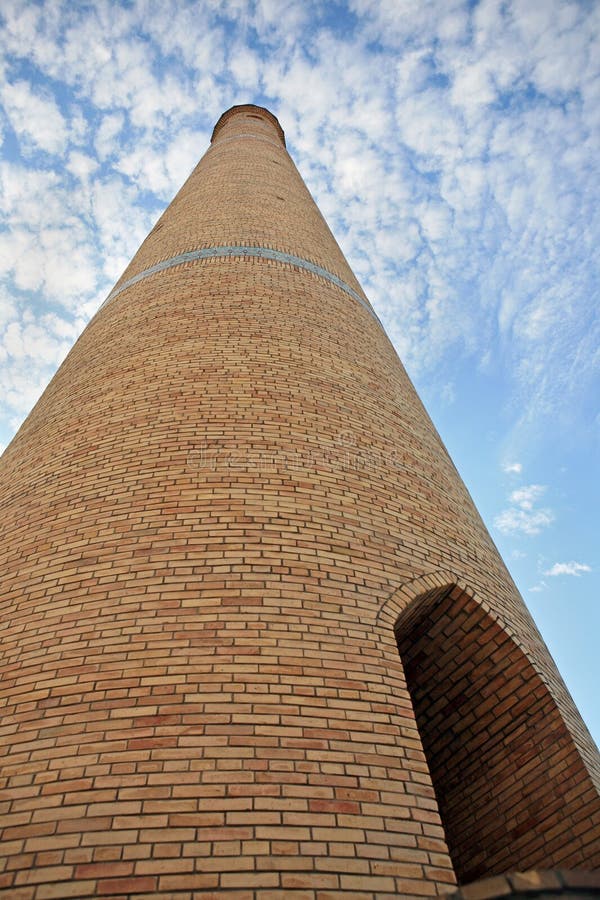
(256, 640)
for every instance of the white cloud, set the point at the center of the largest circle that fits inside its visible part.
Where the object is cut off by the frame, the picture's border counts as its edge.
(448, 393)
(35, 117)
(522, 516)
(31, 347)
(106, 141)
(569, 568)
(514, 520)
(525, 497)
(245, 66)
(81, 165)
(473, 87)
(120, 224)
(435, 219)
(395, 22)
(34, 341)
(159, 168)
(512, 468)
(48, 246)
(174, 27)
(538, 588)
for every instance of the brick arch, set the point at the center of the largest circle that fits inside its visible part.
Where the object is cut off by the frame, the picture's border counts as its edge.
(512, 789)
(418, 594)
(411, 594)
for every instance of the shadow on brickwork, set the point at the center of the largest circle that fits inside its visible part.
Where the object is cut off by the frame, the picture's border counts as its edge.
(510, 784)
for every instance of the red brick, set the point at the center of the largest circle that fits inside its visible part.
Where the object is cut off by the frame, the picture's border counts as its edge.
(129, 885)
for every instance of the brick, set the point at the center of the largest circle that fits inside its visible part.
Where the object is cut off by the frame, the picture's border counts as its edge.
(254, 880)
(195, 882)
(580, 879)
(100, 870)
(75, 889)
(313, 880)
(132, 884)
(488, 887)
(48, 873)
(23, 893)
(527, 881)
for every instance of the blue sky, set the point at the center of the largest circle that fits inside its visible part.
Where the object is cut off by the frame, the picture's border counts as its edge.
(454, 148)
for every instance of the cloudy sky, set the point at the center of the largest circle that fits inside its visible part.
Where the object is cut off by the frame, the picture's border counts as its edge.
(454, 148)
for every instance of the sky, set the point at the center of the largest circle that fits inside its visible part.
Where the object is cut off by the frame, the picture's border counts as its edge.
(454, 149)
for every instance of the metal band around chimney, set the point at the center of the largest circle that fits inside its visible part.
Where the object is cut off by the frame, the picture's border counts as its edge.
(240, 251)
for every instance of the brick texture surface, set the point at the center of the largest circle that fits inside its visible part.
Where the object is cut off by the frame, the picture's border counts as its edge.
(212, 521)
(551, 884)
(511, 786)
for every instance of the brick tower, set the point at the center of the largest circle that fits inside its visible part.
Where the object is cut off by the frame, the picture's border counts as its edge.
(256, 640)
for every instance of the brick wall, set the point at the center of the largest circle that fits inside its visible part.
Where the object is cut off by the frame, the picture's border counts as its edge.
(512, 789)
(209, 522)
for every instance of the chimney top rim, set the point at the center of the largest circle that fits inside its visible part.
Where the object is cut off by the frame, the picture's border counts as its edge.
(250, 108)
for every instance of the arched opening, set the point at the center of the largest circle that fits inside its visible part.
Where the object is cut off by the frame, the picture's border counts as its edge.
(512, 789)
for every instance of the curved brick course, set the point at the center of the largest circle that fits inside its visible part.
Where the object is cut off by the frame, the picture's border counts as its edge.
(213, 520)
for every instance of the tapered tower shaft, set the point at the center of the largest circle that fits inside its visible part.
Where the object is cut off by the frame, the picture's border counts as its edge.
(255, 635)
